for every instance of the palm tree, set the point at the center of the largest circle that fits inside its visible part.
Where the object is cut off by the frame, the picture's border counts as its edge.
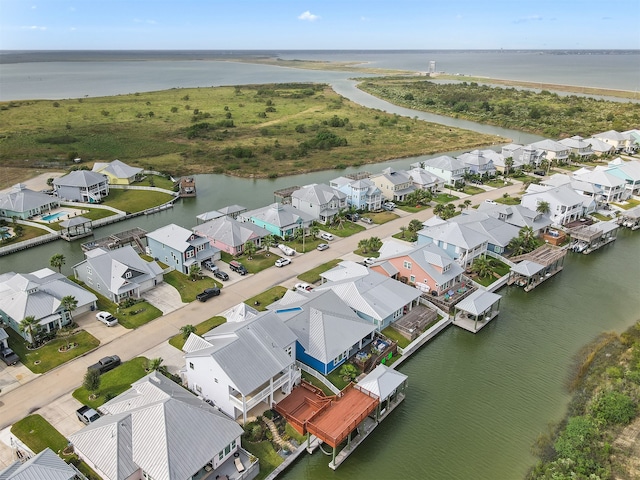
(403, 230)
(69, 303)
(467, 203)
(439, 210)
(339, 219)
(461, 207)
(363, 245)
(155, 364)
(481, 267)
(57, 261)
(374, 244)
(415, 225)
(508, 163)
(250, 249)
(314, 229)
(268, 241)
(187, 330)
(194, 271)
(449, 211)
(543, 207)
(29, 325)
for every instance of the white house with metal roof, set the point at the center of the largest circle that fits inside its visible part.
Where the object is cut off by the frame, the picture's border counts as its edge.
(320, 201)
(230, 235)
(118, 172)
(24, 203)
(523, 154)
(39, 294)
(629, 172)
(479, 163)
(518, 216)
(554, 150)
(459, 241)
(497, 232)
(600, 147)
(180, 248)
(578, 146)
(450, 169)
(279, 219)
(362, 194)
(621, 142)
(46, 465)
(118, 274)
(426, 180)
(158, 430)
(328, 331)
(565, 204)
(377, 298)
(82, 186)
(612, 187)
(241, 365)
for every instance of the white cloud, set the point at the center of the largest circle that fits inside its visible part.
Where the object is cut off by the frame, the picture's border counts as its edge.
(530, 18)
(34, 27)
(308, 16)
(33, 7)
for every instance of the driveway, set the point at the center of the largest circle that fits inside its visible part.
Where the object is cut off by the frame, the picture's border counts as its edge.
(164, 297)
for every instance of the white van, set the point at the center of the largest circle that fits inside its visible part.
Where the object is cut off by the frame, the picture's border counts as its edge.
(286, 249)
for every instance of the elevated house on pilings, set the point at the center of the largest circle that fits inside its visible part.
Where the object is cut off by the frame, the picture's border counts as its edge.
(187, 187)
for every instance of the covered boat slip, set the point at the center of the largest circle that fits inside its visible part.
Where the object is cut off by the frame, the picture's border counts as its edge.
(536, 267)
(587, 238)
(477, 310)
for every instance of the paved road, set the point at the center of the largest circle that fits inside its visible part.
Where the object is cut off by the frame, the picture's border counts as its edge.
(44, 389)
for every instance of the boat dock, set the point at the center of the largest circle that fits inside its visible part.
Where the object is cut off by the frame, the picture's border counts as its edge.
(129, 237)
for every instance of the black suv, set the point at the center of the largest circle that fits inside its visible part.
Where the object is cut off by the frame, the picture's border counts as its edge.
(208, 293)
(237, 267)
(105, 364)
(221, 275)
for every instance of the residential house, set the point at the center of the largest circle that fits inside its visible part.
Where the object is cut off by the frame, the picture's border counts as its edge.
(118, 173)
(230, 235)
(208, 216)
(565, 204)
(518, 216)
(459, 241)
(578, 146)
(395, 185)
(328, 331)
(523, 154)
(320, 201)
(554, 150)
(375, 297)
(425, 180)
(361, 194)
(629, 172)
(24, 203)
(450, 169)
(593, 194)
(428, 267)
(621, 142)
(39, 294)
(82, 186)
(478, 164)
(280, 220)
(46, 465)
(233, 211)
(600, 147)
(612, 187)
(242, 365)
(159, 430)
(118, 274)
(180, 248)
(497, 232)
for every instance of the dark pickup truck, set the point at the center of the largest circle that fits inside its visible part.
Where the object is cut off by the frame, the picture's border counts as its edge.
(207, 294)
(87, 415)
(9, 357)
(105, 364)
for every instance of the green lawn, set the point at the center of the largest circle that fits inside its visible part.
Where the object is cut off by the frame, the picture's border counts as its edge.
(599, 216)
(410, 209)
(368, 253)
(188, 288)
(497, 183)
(135, 200)
(48, 356)
(28, 233)
(267, 456)
(293, 433)
(346, 230)
(313, 275)
(310, 244)
(113, 383)
(201, 328)
(338, 380)
(394, 335)
(383, 217)
(508, 200)
(316, 383)
(444, 198)
(97, 213)
(159, 182)
(266, 298)
(629, 204)
(472, 190)
(259, 261)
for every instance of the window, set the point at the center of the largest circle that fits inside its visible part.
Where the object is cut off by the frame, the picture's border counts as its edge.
(412, 278)
(227, 450)
(233, 444)
(289, 351)
(127, 275)
(407, 265)
(220, 455)
(89, 271)
(215, 380)
(191, 366)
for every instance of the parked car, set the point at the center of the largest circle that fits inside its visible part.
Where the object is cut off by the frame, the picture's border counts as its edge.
(304, 286)
(322, 246)
(370, 260)
(105, 364)
(326, 236)
(208, 293)
(87, 415)
(281, 262)
(286, 249)
(367, 220)
(388, 206)
(237, 267)
(106, 318)
(354, 217)
(492, 202)
(221, 275)
(9, 357)
(208, 264)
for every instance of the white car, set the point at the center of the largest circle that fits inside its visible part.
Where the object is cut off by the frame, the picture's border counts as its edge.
(322, 246)
(326, 236)
(106, 318)
(281, 262)
(304, 286)
(370, 260)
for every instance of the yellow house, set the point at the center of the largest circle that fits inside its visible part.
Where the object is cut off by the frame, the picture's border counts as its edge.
(394, 185)
(118, 173)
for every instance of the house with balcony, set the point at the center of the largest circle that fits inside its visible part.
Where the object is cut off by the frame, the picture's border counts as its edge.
(242, 366)
(82, 186)
(44, 465)
(450, 169)
(593, 195)
(578, 146)
(498, 233)
(428, 267)
(362, 194)
(118, 274)
(565, 204)
(523, 155)
(555, 151)
(600, 147)
(159, 430)
(478, 163)
(24, 203)
(424, 180)
(320, 201)
(518, 216)
(621, 142)
(376, 298)
(395, 185)
(118, 173)
(39, 294)
(279, 219)
(328, 331)
(230, 235)
(629, 172)
(180, 248)
(461, 243)
(612, 188)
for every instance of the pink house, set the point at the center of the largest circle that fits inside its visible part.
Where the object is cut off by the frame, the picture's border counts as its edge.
(230, 235)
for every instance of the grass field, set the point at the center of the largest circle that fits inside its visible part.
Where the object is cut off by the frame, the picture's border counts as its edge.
(260, 301)
(346, 230)
(187, 288)
(259, 130)
(132, 201)
(312, 276)
(201, 328)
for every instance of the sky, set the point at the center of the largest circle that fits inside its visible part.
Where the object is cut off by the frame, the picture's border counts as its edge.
(318, 25)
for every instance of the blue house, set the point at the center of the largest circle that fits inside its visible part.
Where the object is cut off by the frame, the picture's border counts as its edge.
(461, 242)
(280, 220)
(328, 331)
(362, 194)
(180, 248)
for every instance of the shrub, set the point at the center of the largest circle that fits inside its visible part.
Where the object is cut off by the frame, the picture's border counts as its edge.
(614, 408)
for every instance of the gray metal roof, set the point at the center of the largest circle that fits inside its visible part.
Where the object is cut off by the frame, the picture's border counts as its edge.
(527, 268)
(177, 237)
(211, 215)
(230, 232)
(117, 168)
(21, 199)
(46, 465)
(157, 426)
(318, 194)
(382, 381)
(282, 216)
(598, 145)
(74, 221)
(454, 234)
(81, 178)
(445, 162)
(478, 302)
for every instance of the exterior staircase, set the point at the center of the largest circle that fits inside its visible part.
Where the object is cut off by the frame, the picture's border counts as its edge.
(276, 436)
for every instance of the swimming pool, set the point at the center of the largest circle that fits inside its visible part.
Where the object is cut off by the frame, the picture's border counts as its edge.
(54, 216)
